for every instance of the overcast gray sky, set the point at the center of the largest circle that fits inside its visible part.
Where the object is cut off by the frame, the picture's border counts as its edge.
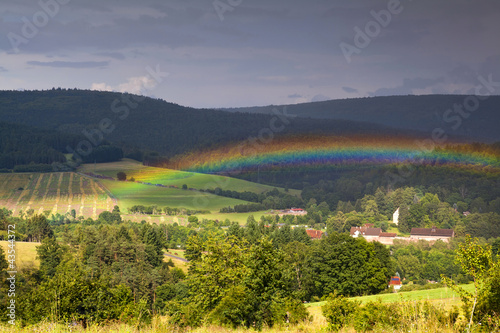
(250, 52)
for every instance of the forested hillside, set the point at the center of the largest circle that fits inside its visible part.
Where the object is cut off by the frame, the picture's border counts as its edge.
(422, 113)
(147, 124)
(21, 144)
(28, 148)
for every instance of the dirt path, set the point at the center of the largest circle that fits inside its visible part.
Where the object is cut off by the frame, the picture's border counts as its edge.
(6, 181)
(35, 191)
(58, 196)
(23, 193)
(8, 198)
(70, 193)
(82, 198)
(96, 195)
(40, 211)
(175, 257)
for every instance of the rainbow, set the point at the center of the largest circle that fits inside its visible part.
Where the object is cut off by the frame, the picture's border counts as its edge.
(317, 150)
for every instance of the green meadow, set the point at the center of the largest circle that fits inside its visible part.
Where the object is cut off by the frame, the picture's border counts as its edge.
(241, 218)
(445, 295)
(177, 178)
(130, 194)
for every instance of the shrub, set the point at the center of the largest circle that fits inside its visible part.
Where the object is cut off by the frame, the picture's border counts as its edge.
(290, 311)
(338, 311)
(374, 314)
(183, 315)
(488, 305)
(234, 309)
(412, 313)
(412, 287)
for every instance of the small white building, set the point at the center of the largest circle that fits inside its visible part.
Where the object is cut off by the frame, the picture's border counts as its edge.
(395, 217)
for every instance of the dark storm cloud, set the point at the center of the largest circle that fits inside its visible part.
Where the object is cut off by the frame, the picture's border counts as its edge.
(112, 55)
(257, 52)
(320, 98)
(70, 64)
(491, 66)
(350, 90)
(408, 87)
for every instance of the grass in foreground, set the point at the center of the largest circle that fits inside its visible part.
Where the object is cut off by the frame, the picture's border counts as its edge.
(318, 324)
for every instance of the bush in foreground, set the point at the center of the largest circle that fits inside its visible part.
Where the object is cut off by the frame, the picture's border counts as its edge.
(341, 312)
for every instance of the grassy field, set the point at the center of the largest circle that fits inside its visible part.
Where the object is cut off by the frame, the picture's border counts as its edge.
(53, 193)
(178, 263)
(177, 253)
(445, 295)
(130, 194)
(241, 218)
(25, 253)
(174, 177)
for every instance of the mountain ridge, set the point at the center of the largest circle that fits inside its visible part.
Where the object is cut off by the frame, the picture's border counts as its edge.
(420, 113)
(136, 122)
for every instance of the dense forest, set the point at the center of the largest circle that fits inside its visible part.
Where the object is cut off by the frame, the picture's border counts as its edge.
(30, 149)
(140, 125)
(20, 145)
(422, 113)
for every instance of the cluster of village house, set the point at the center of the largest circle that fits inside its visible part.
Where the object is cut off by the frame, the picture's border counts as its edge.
(376, 234)
(313, 233)
(372, 234)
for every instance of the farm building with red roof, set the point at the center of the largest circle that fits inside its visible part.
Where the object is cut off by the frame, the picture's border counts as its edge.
(432, 234)
(315, 234)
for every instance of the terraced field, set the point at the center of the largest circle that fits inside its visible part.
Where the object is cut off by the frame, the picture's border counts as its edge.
(53, 193)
